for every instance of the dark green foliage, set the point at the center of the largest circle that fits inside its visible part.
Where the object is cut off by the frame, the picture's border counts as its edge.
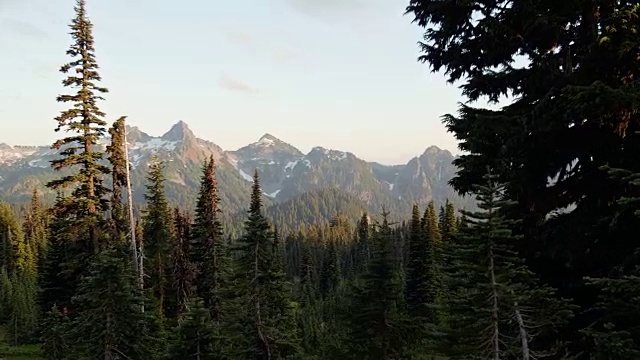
(208, 252)
(55, 335)
(110, 323)
(85, 121)
(265, 312)
(184, 271)
(196, 335)
(35, 226)
(378, 328)
(157, 234)
(419, 280)
(119, 165)
(494, 302)
(570, 69)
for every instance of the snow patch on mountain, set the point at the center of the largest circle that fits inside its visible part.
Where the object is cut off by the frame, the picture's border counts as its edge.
(155, 144)
(245, 175)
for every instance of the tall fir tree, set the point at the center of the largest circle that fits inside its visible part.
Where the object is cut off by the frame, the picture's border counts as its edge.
(110, 323)
(264, 337)
(571, 70)
(85, 120)
(118, 175)
(495, 305)
(157, 233)
(184, 271)
(35, 226)
(208, 252)
(378, 328)
(195, 335)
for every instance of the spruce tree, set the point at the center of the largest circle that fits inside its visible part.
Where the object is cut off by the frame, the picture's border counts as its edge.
(55, 335)
(265, 337)
(195, 335)
(118, 175)
(157, 233)
(184, 271)
(208, 252)
(110, 323)
(616, 334)
(85, 121)
(495, 305)
(378, 330)
(36, 228)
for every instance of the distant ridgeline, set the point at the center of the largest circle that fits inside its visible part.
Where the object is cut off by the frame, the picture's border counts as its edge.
(297, 187)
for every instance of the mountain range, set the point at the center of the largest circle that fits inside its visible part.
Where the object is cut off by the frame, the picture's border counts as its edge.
(286, 173)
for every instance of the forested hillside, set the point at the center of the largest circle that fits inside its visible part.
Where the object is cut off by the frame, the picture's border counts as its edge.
(546, 265)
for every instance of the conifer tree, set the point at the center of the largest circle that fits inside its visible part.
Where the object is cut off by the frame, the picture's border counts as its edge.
(616, 334)
(85, 120)
(264, 336)
(280, 309)
(118, 174)
(17, 255)
(208, 251)
(157, 233)
(496, 307)
(419, 282)
(184, 271)
(35, 228)
(55, 335)
(110, 323)
(449, 226)
(196, 335)
(377, 328)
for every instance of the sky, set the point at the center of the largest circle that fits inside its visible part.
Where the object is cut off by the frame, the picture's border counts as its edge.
(341, 74)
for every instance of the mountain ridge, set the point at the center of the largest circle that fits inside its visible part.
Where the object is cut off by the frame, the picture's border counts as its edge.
(285, 171)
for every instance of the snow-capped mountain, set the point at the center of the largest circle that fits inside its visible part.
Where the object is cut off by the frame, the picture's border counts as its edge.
(285, 171)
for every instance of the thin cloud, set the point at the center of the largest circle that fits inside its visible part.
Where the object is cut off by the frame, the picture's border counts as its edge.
(328, 8)
(238, 37)
(232, 84)
(22, 28)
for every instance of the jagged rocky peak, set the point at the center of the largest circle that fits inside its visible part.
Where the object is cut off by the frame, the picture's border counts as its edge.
(179, 132)
(268, 139)
(134, 135)
(320, 152)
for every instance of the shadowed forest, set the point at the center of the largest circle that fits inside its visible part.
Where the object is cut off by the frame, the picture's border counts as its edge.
(545, 267)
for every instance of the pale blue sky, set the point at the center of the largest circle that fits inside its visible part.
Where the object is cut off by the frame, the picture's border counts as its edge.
(338, 73)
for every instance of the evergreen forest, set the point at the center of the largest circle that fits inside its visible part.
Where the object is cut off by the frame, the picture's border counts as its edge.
(546, 266)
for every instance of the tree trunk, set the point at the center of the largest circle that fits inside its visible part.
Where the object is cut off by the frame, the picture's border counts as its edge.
(524, 340)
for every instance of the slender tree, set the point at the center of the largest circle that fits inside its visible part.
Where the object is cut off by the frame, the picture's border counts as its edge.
(208, 252)
(378, 330)
(85, 121)
(157, 233)
(495, 305)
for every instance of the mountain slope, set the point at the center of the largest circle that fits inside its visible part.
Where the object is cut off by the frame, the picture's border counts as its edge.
(286, 173)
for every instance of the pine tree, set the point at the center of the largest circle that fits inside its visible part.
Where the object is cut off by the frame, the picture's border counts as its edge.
(35, 229)
(110, 323)
(184, 271)
(17, 255)
(196, 335)
(280, 309)
(378, 330)
(264, 337)
(208, 251)
(616, 334)
(118, 175)
(157, 233)
(449, 226)
(419, 282)
(85, 120)
(572, 75)
(54, 338)
(496, 307)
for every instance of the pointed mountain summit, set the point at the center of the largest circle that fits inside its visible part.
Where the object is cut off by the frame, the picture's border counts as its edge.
(268, 139)
(179, 132)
